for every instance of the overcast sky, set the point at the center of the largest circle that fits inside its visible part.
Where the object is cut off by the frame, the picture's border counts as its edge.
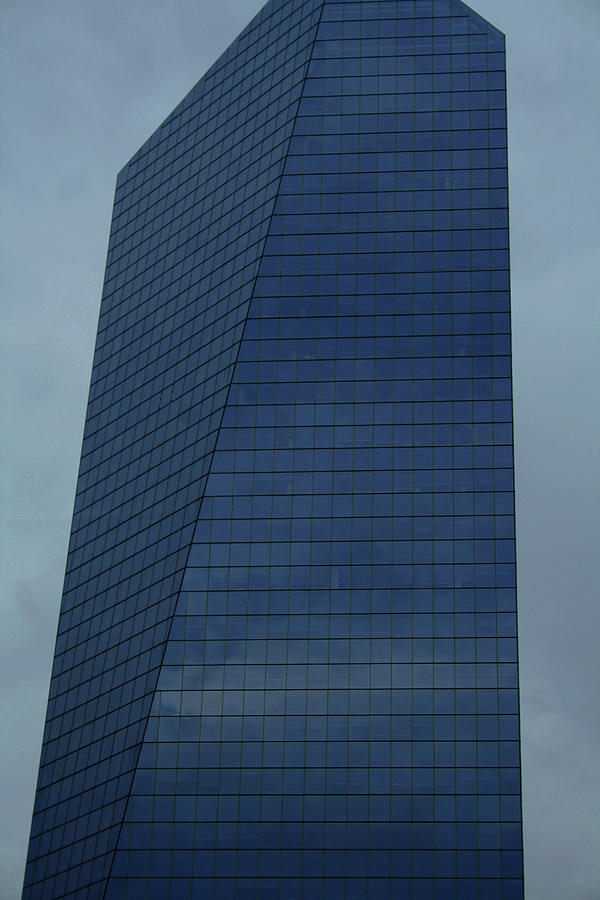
(84, 82)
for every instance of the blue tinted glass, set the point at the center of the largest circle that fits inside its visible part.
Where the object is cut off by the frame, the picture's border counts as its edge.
(286, 662)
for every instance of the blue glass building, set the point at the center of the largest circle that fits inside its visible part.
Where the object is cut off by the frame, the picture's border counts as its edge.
(286, 663)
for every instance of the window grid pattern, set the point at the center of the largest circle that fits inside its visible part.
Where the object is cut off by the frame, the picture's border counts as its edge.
(336, 715)
(190, 218)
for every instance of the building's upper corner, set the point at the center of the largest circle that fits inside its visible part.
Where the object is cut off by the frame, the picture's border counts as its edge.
(457, 6)
(203, 85)
(274, 10)
(420, 8)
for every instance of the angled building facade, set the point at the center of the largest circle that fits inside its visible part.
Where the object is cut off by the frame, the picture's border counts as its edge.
(286, 663)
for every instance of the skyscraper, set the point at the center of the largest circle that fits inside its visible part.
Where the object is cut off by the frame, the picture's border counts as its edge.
(286, 662)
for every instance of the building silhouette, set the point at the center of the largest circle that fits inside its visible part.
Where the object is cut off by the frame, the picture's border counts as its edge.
(286, 662)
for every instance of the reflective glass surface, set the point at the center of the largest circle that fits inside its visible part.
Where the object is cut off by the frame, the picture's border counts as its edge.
(286, 663)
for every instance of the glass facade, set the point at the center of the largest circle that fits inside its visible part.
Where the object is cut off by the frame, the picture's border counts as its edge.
(286, 663)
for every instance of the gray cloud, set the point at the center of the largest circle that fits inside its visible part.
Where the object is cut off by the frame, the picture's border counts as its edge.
(83, 85)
